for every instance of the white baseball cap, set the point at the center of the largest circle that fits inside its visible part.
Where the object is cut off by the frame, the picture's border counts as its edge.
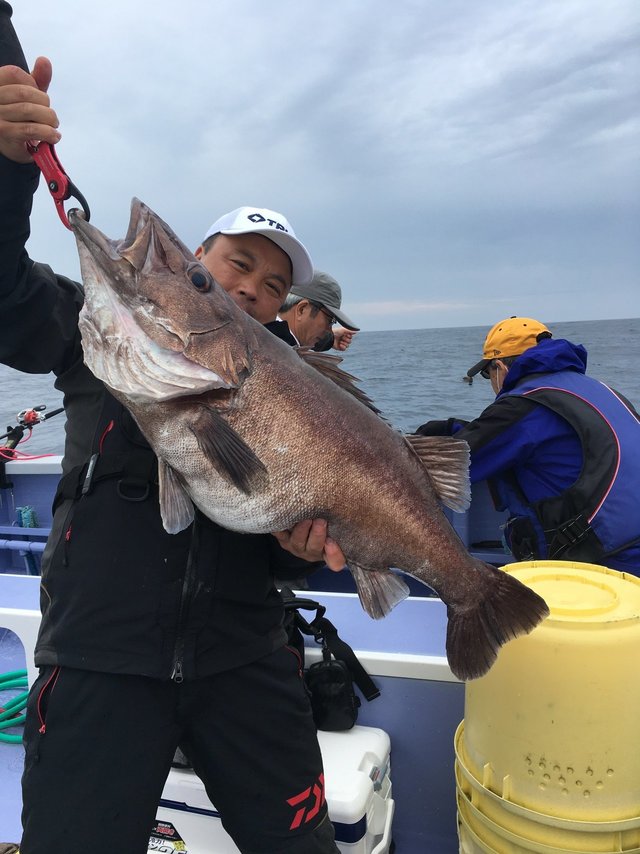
(273, 225)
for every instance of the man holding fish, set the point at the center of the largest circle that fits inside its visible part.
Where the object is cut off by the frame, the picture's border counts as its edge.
(177, 395)
(149, 639)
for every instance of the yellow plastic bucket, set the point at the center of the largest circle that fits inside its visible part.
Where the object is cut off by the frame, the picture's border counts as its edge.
(554, 727)
(469, 840)
(488, 814)
(478, 834)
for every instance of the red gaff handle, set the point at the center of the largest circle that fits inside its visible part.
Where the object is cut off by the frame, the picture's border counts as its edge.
(45, 157)
(60, 185)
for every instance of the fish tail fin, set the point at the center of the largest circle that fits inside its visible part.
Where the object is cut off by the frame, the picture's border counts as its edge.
(379, 590)
(474, 635)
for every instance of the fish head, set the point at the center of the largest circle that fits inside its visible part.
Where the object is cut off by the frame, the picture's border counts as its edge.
(153, 315)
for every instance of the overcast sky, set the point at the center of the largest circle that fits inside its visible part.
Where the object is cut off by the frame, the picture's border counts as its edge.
(450, 162)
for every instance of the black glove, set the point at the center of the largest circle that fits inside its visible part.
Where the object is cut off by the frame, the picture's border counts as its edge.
(439, 428)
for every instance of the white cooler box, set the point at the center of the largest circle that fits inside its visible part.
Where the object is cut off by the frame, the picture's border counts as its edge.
(358, 791)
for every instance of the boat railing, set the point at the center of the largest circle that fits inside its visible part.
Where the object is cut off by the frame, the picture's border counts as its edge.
(28, 487)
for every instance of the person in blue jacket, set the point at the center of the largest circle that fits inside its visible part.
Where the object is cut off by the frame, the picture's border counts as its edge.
(561, 451)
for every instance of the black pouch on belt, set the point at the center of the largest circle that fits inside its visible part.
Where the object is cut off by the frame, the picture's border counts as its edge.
(333, 698)
(330, 682)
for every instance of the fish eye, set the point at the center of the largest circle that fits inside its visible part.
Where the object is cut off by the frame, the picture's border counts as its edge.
(199, 279)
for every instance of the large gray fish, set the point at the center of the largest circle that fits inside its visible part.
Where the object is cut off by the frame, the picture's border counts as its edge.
(260, 435)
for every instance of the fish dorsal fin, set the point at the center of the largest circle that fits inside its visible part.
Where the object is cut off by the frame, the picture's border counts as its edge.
(227, 452)
(446, 459)
(327, 365)
(176, 508)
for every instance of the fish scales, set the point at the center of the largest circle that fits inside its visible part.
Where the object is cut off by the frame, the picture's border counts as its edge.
(259, 436)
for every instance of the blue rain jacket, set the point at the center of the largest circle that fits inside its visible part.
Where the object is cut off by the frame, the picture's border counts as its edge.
(532, 443)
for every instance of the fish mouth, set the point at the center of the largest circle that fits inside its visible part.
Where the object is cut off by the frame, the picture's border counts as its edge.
(140, 215)
(92, 238)
(108, 277)
(94, 246)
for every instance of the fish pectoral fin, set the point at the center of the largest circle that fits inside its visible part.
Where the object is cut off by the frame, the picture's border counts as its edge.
(446, 460)
(379, 590)
(227, 452)
(327, 365)
(176, 508)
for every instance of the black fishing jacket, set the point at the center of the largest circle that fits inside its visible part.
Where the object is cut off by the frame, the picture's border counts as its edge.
(118, 593)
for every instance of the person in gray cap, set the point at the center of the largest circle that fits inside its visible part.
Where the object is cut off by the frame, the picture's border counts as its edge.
(312, 310)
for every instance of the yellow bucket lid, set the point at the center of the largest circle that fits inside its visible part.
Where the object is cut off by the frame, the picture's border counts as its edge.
(581, 592)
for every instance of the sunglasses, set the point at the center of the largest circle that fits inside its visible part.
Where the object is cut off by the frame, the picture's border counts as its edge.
(332, 319)
(485, 372)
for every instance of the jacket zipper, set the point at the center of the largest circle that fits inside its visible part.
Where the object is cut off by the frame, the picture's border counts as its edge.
(177, 674)
(41, 717)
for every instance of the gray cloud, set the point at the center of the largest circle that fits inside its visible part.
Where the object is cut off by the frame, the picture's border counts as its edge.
(455, 158)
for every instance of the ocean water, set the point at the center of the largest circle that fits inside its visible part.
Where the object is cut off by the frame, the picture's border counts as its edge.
(411, 375)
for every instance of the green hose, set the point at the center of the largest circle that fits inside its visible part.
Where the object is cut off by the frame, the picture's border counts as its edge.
(12, 674)
(9, 717)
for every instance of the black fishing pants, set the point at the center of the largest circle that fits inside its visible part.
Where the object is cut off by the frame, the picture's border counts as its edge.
(99, 747)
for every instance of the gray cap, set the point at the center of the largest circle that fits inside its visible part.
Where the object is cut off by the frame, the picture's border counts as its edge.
(324, 290)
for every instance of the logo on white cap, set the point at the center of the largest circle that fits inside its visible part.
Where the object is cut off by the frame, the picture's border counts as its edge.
(256, 217)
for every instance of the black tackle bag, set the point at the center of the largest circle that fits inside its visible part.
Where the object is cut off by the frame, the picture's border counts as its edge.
(330, 682)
